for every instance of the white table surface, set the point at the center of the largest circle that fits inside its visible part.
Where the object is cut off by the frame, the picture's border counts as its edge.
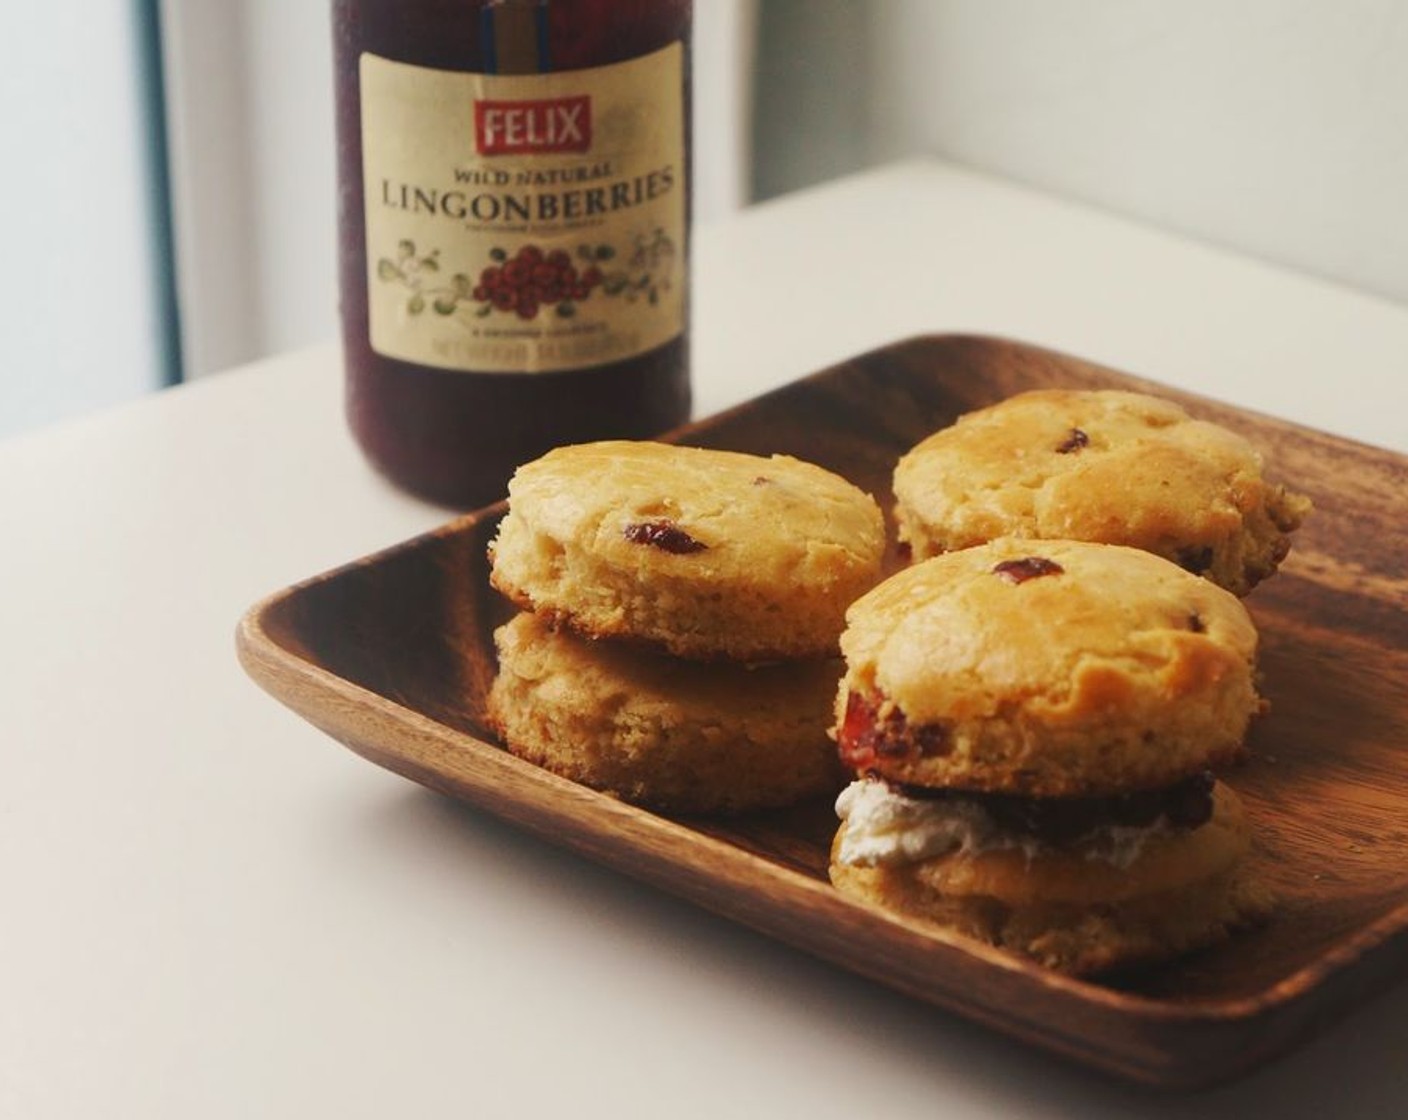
(210, 910)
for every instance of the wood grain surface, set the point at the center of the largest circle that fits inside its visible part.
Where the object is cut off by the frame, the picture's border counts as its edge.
(392, 656)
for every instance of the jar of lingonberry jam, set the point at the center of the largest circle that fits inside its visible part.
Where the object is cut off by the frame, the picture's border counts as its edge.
(514, 230)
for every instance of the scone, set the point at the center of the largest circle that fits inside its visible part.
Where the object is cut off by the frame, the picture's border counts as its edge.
(661, 732)
(1101, 465)
(705, 554)
(1047, 668)
(1116, 896)
(1033, 726)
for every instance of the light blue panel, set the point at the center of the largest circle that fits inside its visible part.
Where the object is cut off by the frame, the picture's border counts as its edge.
(82, 320)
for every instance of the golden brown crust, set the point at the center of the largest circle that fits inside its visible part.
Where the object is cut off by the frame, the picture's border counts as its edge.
(1070, 913)
(1119, 671)
(1105, 466)
(657, 731)
(706, 554)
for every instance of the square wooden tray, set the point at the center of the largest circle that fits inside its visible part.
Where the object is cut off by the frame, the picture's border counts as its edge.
(392, 656)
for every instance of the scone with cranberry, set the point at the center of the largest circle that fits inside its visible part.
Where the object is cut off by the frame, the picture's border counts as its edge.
(1032, 726)
(704, 554)
(1098, 465)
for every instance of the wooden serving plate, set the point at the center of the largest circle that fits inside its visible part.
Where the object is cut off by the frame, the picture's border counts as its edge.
(392, 656)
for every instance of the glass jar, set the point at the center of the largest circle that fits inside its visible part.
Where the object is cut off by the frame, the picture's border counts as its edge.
(513, 201)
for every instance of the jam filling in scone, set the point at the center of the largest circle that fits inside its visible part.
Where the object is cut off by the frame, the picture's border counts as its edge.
(889, 823)
(866, 737)
(865, 740)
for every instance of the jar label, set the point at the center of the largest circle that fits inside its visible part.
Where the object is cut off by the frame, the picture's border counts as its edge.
(524, 223)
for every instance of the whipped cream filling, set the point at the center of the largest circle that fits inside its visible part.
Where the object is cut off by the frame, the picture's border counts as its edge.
(884, 826)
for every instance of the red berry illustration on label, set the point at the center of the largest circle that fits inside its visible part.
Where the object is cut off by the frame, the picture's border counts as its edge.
(534, 280)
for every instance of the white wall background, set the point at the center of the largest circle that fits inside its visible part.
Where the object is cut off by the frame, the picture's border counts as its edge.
(1275, 127)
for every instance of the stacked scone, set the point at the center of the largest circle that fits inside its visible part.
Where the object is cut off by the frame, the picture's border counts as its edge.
(683, 610)
(1035, 709)
(1034, 731)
